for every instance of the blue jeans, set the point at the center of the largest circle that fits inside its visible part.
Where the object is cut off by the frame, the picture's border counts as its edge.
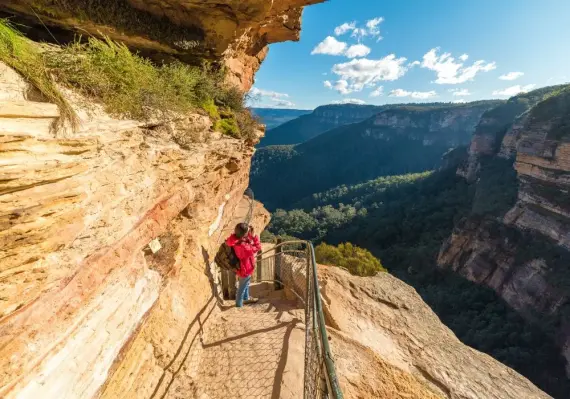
(243, 290)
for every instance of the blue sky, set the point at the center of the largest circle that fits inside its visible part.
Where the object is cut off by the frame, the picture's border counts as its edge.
(394, 51)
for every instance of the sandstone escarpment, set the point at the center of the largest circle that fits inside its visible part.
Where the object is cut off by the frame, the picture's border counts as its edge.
(453, 126)
(383, 323)
(523, 251)
(237, 32)
(85, 306)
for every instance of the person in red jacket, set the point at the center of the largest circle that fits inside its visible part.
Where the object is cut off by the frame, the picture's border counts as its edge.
(245, 244)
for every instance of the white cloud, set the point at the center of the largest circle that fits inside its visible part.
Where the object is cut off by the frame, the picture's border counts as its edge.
(357, 50)
(379, 91)
(255, 92)
(373, 29)
(420, 95)
(450, 71)
(415, 63)
(342, 29)
(277, 100)
(343, 87)
(349, 101)
(364, 72)
(283, 104)
(359, 33)
(464, 57)
(511, 76)
(460, 101)
(330, 46)
(460, 92)
(514, 90)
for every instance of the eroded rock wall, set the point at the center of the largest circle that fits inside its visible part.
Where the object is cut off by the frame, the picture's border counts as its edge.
(86, 307)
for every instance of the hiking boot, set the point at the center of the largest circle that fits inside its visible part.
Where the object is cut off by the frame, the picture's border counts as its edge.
(251, 300)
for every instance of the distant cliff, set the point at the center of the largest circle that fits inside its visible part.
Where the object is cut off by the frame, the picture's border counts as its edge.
(400, 139)
(322, 119)
(273, 117)
(517, 238)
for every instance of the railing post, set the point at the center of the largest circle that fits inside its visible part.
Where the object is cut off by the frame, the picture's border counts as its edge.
(278, 251)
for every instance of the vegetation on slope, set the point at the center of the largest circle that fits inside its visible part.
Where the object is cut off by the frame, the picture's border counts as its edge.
(126, 84)
(405, 224)
(355, 153)
(357, 261)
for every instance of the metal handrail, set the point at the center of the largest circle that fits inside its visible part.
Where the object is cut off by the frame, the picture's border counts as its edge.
(332, 378)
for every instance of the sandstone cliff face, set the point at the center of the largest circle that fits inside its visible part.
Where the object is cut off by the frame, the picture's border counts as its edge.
(85, 306)
(344, 114)
(453, 126)
(523, 254)
(237, 32)
(388, 343)
(500, 127)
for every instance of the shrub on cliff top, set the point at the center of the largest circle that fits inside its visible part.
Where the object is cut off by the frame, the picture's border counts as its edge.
(18, 53)
(357, 261)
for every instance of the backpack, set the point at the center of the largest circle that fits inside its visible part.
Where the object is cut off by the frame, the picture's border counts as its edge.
(226, 258)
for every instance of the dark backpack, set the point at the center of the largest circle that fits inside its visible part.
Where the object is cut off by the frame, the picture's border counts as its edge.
(226, 258)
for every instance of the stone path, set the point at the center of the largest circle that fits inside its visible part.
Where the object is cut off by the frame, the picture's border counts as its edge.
(253, 352)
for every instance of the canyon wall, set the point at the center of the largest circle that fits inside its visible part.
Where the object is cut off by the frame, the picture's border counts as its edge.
(519, 244)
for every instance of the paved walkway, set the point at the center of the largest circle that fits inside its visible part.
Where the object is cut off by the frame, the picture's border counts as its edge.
(253, 352)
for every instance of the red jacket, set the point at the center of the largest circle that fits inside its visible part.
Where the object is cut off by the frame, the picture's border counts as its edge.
(245, 250)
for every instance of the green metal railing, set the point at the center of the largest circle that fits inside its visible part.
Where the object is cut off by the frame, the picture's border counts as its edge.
(293, 267)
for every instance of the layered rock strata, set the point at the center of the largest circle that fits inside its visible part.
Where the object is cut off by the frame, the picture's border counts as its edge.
(86, 307)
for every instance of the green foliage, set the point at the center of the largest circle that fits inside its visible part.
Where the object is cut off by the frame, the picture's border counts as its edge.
(211, 109)
(127, 84)
(229, 127)
(343, 206)
(555, 110)
(26, 59)
(357, 261)
(268, 237)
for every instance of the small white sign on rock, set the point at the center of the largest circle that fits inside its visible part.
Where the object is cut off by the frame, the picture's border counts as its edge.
(154, 245)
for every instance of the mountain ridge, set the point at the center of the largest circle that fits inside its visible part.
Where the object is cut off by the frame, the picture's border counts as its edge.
(387, 143)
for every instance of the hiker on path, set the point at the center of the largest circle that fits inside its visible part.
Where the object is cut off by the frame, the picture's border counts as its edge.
(245, 245)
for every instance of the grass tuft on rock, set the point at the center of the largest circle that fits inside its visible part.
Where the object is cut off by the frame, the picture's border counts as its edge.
(21, 55)
(126, 84)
